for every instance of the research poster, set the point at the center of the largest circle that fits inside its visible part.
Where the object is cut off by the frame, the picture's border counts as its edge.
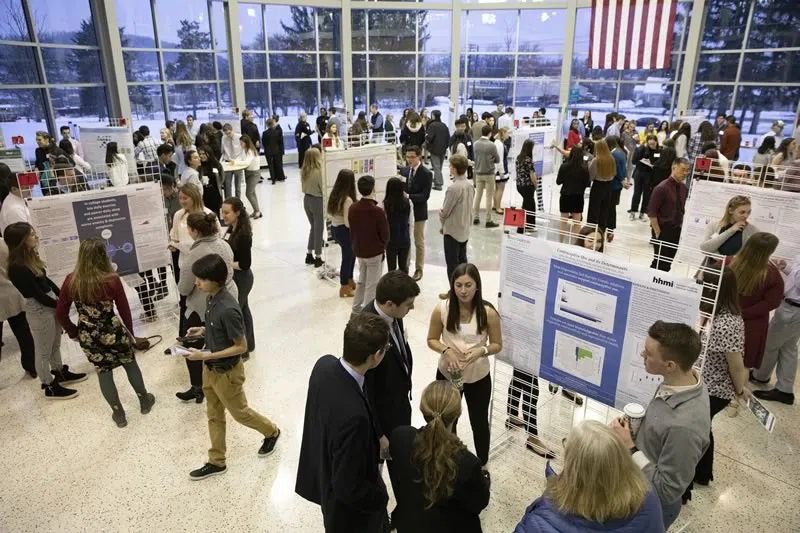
(130, 220)
(579, 319)
(94, 140)
(378, 160)
(774, 211)
(543, 151)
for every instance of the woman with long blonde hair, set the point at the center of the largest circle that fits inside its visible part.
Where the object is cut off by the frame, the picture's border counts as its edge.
(183, 144)
(733, 230)
(106, 339)
(760, 292)
(311, 184)
(599, 488)
(437, 482)
(28, 274)
(602, 170)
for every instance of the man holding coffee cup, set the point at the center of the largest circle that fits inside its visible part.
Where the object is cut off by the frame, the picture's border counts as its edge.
(674, 430)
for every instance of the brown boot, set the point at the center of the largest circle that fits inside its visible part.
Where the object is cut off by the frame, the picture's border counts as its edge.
(352, 284)
(345, 291)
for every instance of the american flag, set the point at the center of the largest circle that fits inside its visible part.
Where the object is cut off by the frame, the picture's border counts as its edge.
(631, 34)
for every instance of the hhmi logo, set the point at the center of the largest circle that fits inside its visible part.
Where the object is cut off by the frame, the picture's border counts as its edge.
(659, 281)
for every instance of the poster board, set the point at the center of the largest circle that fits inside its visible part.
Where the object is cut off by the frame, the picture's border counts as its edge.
(130, 219)
(774, 211)
(13, 158)
(543, 151)
(579, 319)
(376, 160)
(227, 118)
(95, 138)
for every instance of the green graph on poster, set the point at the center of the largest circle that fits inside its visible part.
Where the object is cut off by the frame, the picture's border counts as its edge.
(582, 353)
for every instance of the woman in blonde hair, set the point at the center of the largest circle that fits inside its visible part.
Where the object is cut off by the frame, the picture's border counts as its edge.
(105, 338)
(727, 236)
(760, 292)
(602, 171)
(437, 482)
(183, 144)
(311, 183)
(599, 489)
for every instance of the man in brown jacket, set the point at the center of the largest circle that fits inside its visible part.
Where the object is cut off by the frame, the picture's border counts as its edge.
(730, 139)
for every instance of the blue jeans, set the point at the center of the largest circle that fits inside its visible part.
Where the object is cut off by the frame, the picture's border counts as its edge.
(341, 235)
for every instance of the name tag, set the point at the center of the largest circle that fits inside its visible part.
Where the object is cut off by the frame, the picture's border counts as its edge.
(656, 155)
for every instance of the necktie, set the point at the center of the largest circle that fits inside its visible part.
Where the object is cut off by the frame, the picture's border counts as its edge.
(401, 343)
(411, 177)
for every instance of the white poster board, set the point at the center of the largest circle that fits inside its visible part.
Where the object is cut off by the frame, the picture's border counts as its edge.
(130, 219)
(579, 319)
(543, 151)
(376, 160)
(227, 118)
(774, 211)
(95, 138)
(13, 158)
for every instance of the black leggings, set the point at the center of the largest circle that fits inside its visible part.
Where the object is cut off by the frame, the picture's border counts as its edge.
(704, 472)
(479, 395)
(109, 388)
(21, 330)
(524, 386)
(528, 193)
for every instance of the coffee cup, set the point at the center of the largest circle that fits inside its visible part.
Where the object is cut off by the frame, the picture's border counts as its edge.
(634, 414)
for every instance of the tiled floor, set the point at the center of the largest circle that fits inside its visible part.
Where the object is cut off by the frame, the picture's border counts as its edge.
(67, 467)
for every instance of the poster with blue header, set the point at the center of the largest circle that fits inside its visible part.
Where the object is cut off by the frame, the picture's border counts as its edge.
(579, 319)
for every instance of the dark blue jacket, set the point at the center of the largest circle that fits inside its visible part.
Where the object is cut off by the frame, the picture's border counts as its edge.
(543, 517)
(622, 170)
(419, 190)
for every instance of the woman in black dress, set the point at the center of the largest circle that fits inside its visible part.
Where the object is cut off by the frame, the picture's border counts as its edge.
(573, 176)
(211, 177)
(240, 238)
(527, 182)
(437, 482)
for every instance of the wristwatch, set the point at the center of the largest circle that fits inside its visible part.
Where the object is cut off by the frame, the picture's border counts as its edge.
(633, 450)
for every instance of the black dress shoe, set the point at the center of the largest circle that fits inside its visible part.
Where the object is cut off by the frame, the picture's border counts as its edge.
(774, 395)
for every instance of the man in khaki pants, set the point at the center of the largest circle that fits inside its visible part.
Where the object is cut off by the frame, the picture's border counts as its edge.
(419, 180)
(486, 158)
(223, 372)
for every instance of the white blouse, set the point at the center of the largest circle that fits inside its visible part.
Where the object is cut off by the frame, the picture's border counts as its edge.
(179, 236)
(464, 339)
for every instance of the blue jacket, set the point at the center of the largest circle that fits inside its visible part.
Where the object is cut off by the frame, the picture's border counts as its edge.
(622, 170)
(543, 517)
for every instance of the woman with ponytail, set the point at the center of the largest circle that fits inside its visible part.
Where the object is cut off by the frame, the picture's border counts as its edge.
(438, 483)
(204, 231)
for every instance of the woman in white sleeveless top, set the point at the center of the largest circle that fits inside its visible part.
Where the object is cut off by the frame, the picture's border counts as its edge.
(465, 331)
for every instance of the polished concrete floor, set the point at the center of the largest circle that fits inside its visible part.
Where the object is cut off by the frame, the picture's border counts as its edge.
(67, 467)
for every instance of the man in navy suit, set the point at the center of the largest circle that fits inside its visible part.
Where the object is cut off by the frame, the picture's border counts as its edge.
(390, 382)
(340, 449)
(419, 181)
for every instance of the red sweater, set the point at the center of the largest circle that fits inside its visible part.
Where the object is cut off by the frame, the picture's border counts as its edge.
(369, 229)
(113, 290)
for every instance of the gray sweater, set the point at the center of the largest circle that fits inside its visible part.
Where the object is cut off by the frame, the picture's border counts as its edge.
(673, 437)
(456, 213)
(195, 298)
(486, 157)
(712, 239)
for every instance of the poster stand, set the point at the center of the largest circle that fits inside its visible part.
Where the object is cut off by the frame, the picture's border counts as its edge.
(378, 160)
(556, 414)
(95, 138)
(544, 159)
(85, 202)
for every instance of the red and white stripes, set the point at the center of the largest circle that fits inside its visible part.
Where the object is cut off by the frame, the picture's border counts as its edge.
(631, 34)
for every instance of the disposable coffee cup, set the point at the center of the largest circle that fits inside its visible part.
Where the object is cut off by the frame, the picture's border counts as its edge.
(634, 414)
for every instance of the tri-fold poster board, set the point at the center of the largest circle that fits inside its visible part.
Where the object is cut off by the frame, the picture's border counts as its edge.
(376, 160)
(129, 219)
(579, 319)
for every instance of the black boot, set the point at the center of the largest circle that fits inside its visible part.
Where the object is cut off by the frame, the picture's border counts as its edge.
(195, 393)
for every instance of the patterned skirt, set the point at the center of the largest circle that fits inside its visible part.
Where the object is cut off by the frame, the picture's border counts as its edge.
(103, 337)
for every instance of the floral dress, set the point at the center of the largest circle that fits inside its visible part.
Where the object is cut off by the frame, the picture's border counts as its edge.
(102, 335)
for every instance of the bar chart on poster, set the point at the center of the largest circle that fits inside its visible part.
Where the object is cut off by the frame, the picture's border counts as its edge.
(579, 319)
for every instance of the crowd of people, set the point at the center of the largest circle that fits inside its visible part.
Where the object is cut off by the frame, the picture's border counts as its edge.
(358, 408)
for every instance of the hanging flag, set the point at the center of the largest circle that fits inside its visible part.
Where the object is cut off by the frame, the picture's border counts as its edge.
(631, 34)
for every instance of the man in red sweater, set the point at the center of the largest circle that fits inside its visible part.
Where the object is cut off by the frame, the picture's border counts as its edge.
(369, 231)
(730, 139)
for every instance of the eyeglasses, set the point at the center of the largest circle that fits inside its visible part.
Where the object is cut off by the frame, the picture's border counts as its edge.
(387, 347)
